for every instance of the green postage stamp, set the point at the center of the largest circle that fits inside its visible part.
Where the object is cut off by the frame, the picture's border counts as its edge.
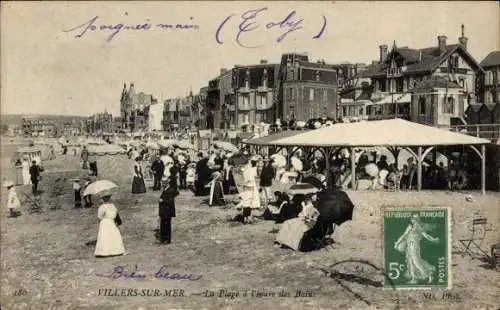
(417, 248)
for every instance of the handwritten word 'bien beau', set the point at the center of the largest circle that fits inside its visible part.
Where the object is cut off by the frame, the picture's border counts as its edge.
(248, 23)
(91, 25)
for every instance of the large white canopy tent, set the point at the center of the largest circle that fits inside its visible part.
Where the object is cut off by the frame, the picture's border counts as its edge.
(393, 133)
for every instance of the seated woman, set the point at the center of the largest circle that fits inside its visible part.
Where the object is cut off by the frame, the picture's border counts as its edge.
(291, 209)
(293, 230)
(273, 210)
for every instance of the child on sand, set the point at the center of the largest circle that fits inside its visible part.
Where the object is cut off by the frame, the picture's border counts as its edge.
(13, 202)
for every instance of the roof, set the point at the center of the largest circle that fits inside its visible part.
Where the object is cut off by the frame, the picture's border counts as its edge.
(393, 132)
(438, 82)
(425, 59)
(493, 59)
(267, 140)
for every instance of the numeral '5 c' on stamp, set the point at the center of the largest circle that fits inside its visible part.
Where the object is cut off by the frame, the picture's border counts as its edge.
(417, 248)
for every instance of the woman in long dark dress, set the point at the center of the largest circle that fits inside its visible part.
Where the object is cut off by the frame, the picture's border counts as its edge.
(138, 185)
(228, 183)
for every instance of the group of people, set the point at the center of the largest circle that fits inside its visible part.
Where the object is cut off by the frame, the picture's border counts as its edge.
(27, 174)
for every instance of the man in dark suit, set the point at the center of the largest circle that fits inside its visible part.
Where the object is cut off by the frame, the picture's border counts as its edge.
(266, 178)
(166, 212)
(35, 176)
(158, 168)
(203, 174)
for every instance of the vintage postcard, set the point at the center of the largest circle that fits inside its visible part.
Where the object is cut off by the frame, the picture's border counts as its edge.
(249, 155)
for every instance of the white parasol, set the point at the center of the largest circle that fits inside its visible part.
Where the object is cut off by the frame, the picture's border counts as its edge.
(301, 124)
(371, 170)
(99, 186)
(279, 160)
(227, 146)
(297, 163)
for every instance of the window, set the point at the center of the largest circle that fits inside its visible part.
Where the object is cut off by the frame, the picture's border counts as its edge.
(264, 101)
(461, 82)
(246, 118)
(325, 95)
(449, 106)
(344, 111)
(311, 94)
(421, 106)
(291, 93)
(360, 113)
(246, 100)
(488, 97)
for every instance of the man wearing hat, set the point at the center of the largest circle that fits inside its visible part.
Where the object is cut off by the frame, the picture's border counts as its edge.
(266, 178)
(13, 202)
(35, 176)
(166, 208)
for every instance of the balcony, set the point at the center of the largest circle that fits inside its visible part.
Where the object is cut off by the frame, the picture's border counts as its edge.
(245, 107)
(265, 106)
(244, 90)
(393, 72)
(263, 89)
(485, 131)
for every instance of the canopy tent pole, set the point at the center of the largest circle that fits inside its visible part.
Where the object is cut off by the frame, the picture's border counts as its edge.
(419, 168)
(482, 155)
(353, 169)
(483, 169)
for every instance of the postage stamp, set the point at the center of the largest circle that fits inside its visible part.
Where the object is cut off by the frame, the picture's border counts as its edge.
(417, 248)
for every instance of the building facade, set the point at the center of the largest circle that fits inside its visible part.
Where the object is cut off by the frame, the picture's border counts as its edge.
(39, 127)
(306, 89)
(490, 81)
(134, 109)
(220, 97)
(252, 98)
(402, 70)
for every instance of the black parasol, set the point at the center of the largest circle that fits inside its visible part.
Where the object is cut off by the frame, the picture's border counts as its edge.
(335, 206)
(239, 159)
(314, 181)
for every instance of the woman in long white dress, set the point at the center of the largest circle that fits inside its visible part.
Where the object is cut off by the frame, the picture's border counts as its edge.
(293, 230)
(26, 171)
(109, 238)
(250, 175)
(409, 243)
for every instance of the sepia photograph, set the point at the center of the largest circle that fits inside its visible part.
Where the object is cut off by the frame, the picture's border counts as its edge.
(249, 155)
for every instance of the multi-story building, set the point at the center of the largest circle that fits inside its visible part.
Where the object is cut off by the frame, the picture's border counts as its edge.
(197, 109)
(401, 83)
(220, 97)
(177, 112)
(34, 126)
(490, 81)
(156, 117)
(252, 98)
(134, 109)
(306, 89)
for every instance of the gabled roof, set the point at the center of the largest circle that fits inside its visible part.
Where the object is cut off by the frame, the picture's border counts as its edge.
(268, 140)
(493, 59)
(434, 83)
(489, 106)
(427, 59)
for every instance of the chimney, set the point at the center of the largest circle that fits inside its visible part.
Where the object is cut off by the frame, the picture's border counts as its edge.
(463, 39)
(383, 52)
(442, 43)
(263, 61)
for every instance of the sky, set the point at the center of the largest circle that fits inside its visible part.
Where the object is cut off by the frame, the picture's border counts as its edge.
(47, 69)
